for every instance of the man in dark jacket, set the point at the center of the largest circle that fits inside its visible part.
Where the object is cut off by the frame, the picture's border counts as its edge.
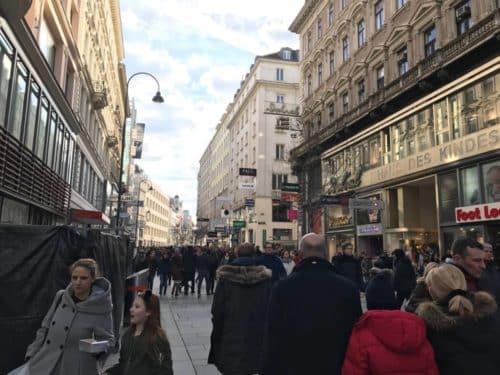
(405, 279)
(346, 265)
(203, 269)
(311, 315)
(188, 259)
(238, 314)
(468, 255)
(272, 262)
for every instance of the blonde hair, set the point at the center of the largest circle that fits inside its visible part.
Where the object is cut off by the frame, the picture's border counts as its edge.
(444, 279)
(427, 269)
(89, 264)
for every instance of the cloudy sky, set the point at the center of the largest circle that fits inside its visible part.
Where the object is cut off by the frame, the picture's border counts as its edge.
(199, 50)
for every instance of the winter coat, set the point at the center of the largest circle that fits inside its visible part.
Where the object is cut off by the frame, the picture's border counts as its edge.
(273, 263)
(239, 318)
(389, 342)
(164, 266)
(490, 280)
(404, 275)
(55, 349)
(311, 315)
(419, 295)
(188, 260)
(289, 264)
(464, 345)
(134, 358)
(203, 262)
(380, 292)
(350, 268)
(176, 267)
(383, 262)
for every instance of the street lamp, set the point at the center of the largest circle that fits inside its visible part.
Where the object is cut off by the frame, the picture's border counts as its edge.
(157, 98)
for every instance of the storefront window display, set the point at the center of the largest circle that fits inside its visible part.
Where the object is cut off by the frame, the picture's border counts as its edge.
(491, 181)
(470, 186)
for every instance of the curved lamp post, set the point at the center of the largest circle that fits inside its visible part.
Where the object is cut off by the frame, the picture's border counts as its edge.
(157, 98)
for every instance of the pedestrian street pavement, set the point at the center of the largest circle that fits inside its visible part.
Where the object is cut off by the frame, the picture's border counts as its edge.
(187, 321)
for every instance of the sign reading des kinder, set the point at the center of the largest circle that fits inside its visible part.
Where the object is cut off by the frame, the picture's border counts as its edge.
(470, 145)
(480, 212)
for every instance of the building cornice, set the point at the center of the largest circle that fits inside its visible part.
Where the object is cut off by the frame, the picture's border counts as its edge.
(117, 26)
(303, 16)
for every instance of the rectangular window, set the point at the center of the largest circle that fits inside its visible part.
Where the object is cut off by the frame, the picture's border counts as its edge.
(361, 33)
(400, 3)
(41, 131)
(332, 62)
(361, 91)
(280, 99)
(331, 112)
(319, 28)
(320, 74)
(470, 186)
(47, 44)
(280, 152)
(463, 17)
(380, 77)
(344, 3)
(5, 77)
(309, 84)
(345, 49)
(29, 134)
(309, 41)
(330, 15)
(318, 121)
(280, 213)
(279, 74)
(491, 181)
(448, 197)
(345, 102)
(51, 138)
(430, 41)
(58, 148)
(379, 14)
(279, 180)
(402, 56)
(15, 124)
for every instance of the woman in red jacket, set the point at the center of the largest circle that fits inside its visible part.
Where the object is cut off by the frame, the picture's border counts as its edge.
(389, 342)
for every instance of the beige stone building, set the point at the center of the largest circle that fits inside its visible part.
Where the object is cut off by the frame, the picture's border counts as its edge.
(401, 108)
(248, 158)
(63, 94)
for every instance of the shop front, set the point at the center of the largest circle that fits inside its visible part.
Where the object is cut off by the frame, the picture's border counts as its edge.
(369, 228)
(339, 220)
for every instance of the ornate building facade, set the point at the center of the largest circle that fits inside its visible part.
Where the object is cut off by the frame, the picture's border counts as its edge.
(400, 107)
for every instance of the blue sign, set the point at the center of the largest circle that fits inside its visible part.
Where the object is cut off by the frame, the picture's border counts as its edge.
(249, 203)
(332, 200)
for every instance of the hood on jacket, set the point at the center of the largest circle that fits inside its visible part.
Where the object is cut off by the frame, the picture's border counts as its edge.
(399, 331)
(246, 275)
(98, 302)
(437, 319)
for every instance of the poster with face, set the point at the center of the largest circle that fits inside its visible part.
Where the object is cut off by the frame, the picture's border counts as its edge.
(491, 177)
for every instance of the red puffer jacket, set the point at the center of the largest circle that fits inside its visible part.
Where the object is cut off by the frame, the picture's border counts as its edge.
(389, 343)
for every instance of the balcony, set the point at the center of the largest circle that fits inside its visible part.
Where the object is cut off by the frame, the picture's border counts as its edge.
(274, 108)
(463, 44)
(111, 141)
(99, 96)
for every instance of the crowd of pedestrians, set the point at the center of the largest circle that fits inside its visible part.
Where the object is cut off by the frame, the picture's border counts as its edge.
(284, 313)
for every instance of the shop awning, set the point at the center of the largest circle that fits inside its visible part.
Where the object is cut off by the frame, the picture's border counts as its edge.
(89, 217)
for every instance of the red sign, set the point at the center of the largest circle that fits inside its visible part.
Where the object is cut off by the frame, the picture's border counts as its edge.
(293, 214)
(481, 212)
(89, 217)
(289, 197)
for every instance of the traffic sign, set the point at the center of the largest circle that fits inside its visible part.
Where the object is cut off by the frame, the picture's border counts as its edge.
(366, 204)
(332, 200)
(239, 224)
(293, 188)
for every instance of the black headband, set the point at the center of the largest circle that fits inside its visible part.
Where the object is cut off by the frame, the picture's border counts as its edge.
(457, 292)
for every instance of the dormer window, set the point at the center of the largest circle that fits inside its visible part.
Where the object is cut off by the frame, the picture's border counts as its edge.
(286, 54)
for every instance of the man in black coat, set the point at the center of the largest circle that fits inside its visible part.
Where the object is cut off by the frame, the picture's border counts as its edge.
(188, 260)
(405, 279)
(490, 277)
(311, 315)
(348, 266)
(238, 314)
(203, 261)
(272, 262)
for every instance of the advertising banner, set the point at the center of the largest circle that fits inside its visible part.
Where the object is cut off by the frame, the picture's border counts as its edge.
(138, 140)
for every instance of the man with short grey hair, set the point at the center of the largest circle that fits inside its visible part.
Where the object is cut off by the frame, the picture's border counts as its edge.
(310, 317)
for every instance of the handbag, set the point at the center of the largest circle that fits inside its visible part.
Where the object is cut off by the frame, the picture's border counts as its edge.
(21, 370)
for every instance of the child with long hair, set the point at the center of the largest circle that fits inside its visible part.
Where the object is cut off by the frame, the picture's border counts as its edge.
(145, 349)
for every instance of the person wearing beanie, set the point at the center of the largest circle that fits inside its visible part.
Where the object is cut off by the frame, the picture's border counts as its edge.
(462, 326)
(380, 293)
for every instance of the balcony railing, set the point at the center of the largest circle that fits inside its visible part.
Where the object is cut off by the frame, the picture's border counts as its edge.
(432, 63)
(99, 96)
(281, 109)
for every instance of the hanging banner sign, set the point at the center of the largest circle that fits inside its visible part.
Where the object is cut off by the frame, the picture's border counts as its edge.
(248, 172)
(293, 214)
(246, 185)
(289, 197)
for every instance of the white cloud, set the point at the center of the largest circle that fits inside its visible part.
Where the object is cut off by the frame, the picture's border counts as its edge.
(199, 50)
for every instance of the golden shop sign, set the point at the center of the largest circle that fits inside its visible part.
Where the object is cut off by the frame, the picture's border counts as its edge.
(471, 145)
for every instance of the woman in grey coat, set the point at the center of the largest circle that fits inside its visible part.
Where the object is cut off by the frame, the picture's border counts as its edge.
(83, 310)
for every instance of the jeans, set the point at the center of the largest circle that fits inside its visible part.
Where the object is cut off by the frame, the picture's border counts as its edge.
(201, 276)
(163, 283)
